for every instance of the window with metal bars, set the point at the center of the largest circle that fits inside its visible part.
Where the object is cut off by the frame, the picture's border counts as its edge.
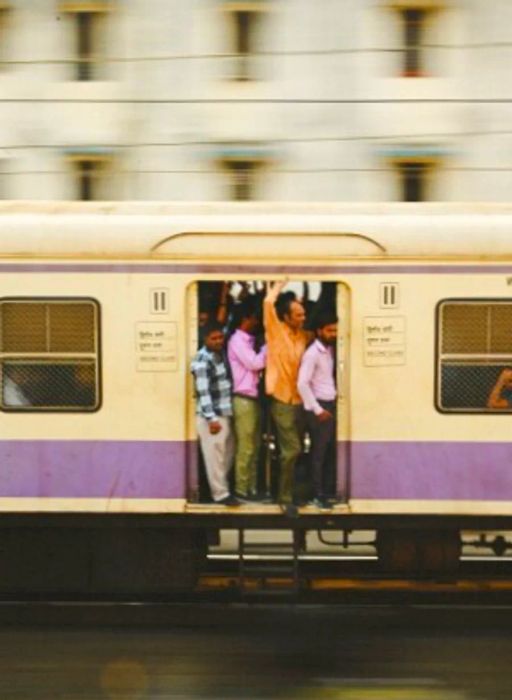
(474, 356)
(49, 355)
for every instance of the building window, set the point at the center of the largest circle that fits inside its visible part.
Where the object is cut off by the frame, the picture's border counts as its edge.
(474, 357)
(4, 178)
(49, 354)
(418, 27)
(245, 20)
(241, 175)
(88, 19)
(413, 180)
(244, 37)
(85, 64)
(413, 21)
(4, 22)
(91, 181)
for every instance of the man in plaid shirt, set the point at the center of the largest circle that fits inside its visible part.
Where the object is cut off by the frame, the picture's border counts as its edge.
(214, 411)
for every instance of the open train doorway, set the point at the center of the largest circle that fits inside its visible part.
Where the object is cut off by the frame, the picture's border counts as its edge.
(256, 452)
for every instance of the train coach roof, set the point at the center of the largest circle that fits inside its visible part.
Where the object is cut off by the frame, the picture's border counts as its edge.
(155, 229)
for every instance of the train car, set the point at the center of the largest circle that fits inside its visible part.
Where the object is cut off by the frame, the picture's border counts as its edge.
(99, 469)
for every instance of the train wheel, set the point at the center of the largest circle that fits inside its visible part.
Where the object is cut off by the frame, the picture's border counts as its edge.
(419, 552)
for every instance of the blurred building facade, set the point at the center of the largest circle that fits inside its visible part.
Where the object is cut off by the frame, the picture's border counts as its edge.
(297, 100)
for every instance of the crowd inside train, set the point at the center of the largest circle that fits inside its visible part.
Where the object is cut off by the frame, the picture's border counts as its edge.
(289, 375)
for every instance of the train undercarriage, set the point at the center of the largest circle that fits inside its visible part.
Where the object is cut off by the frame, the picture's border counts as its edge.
(154, 555)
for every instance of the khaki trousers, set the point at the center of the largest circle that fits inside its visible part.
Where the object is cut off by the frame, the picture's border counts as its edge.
(218, 453)
(288, 420)
(247, 415)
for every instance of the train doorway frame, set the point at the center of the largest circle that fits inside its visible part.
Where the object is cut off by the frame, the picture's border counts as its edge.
(343, 425)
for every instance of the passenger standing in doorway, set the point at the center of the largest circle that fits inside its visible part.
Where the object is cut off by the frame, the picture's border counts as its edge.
(286, 343)
(246, 366)
(214, 411)
(317, 388)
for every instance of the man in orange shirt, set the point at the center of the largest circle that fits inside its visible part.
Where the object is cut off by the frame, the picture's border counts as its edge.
(286, 343)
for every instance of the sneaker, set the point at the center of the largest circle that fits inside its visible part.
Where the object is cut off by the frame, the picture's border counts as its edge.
(228, 501)
(320, 503)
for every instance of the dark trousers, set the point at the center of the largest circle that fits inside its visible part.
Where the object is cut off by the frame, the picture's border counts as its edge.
(323, 451)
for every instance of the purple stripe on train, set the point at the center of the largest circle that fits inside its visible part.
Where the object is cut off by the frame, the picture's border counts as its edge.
(431, 470)
(156, 469)
(215, 268)
(92, 469)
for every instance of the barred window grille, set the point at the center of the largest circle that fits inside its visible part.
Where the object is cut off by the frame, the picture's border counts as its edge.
(474, 350)
(49, 355)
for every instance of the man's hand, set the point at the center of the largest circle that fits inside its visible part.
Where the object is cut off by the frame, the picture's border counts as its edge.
(274, 289)
(277, 286)
(214, 427)
(324, 417)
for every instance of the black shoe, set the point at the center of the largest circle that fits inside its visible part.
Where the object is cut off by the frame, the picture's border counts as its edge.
(264, 499)
(228, 501)
(243, 498)
(289, 509)
(252, 498)
(260, 498)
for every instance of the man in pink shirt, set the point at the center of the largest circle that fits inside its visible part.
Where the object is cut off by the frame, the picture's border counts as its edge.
(317, 388)
(246, 365)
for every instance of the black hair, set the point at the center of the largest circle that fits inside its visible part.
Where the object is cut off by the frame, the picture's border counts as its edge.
(246, 309)
(326, 317)
(284, 303)
(211, 327)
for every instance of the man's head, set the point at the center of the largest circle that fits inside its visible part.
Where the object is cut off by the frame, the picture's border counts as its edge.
(292, 312)
(213, 336)
(203, 318)
(247, 318)
(326, 326)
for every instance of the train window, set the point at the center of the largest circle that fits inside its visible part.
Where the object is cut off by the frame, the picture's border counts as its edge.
(474, 356)
(49, 354)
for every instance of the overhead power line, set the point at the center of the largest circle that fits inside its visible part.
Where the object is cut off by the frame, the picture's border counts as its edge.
(384, 138)
(335, 51)
(259, 101)
(286, 171)
(411, 137)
